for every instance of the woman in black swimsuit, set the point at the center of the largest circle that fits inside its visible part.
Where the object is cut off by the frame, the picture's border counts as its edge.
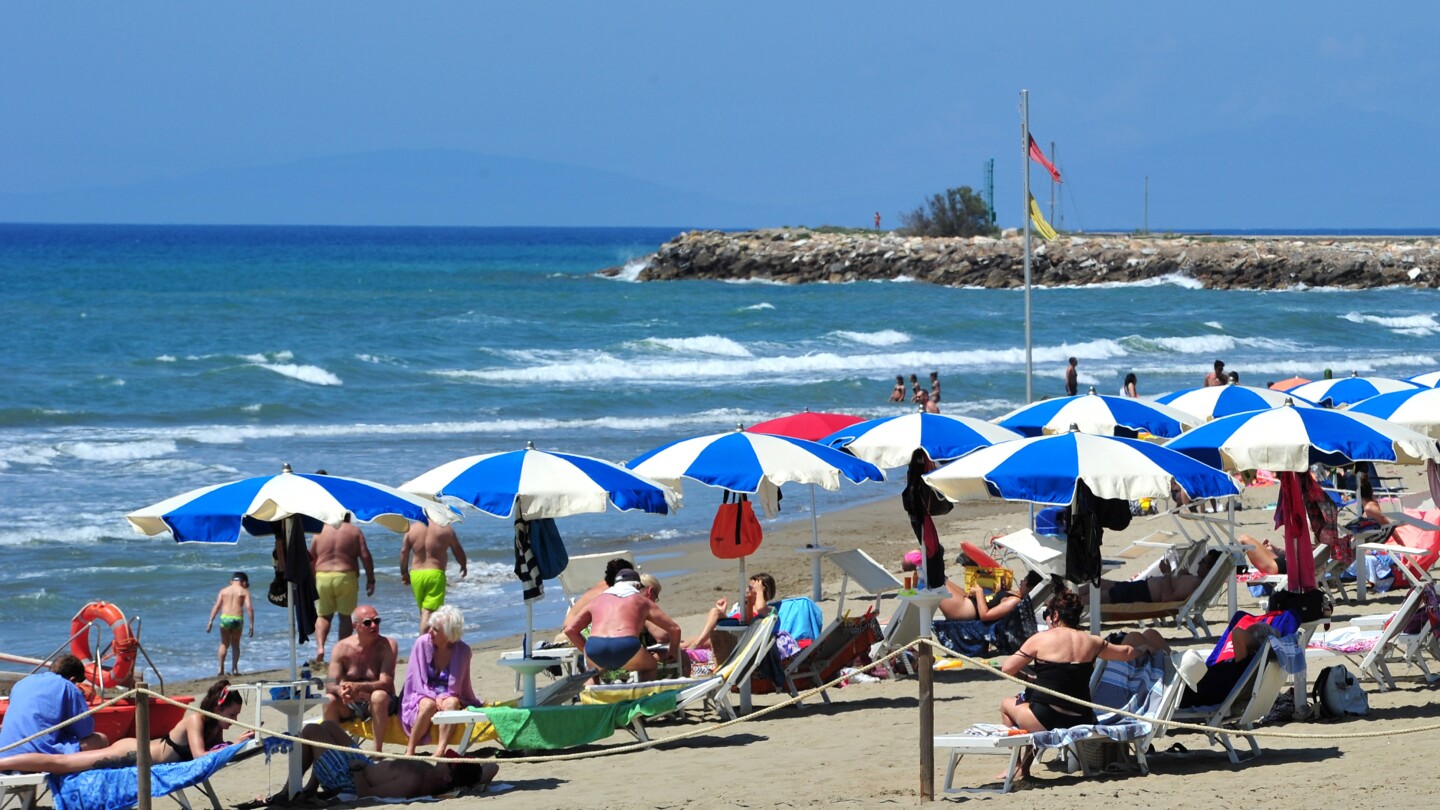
(1061, 658)
(196, 734)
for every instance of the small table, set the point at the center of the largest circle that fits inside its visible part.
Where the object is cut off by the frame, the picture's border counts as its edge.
(294, 709)
(816, 554)
(527, 669)
(1404, 551)
(568, 658)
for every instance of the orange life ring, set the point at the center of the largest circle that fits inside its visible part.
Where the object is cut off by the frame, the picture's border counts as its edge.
(120, 673)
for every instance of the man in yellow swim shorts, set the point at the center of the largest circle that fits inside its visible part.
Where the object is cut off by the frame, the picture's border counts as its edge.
(338, 554)
(429, 546)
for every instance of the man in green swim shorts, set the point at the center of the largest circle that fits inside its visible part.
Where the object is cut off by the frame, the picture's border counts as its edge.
(430, 546)
(232, 605)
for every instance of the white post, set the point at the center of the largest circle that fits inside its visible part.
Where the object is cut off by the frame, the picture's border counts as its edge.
(815, 590)
(1025, 201)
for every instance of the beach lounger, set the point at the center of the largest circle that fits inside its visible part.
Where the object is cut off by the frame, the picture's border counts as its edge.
(1149, 687)
(1393, 643)
(862, 570)
(1189, 614)
(585, 570)
(713, 691)
(120, 787)
(563, 691)
(22, 788)
(1252, 697)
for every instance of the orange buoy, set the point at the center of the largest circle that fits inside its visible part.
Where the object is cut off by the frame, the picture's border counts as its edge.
(122, 671)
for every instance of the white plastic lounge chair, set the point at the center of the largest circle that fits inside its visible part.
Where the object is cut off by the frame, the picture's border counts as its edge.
(861, 568)
(22, 788)
(1189, 614)
(996, 740)
(562, 691)
(1252, 697)
(713, 691)
(585, 570)
(1395, 644)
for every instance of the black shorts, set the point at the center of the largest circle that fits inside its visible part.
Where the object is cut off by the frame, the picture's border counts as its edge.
(1280, 567)
(1136, 591)
(1052, 719)
(361, 708)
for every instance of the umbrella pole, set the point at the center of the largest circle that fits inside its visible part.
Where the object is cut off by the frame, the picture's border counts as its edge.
(815, 590)
(529, 629)
(294, 722)
(1230, 528)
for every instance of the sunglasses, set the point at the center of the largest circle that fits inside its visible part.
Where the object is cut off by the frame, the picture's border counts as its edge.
(375, 622)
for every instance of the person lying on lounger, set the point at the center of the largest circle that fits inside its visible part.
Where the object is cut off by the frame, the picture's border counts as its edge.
(1167, 586)
(974, 604)
(350, 774)
(1222, 676)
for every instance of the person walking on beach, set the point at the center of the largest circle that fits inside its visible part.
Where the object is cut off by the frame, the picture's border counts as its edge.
(1072, 378)
(1218, 376)
(1128, 387)
(616, 619)
(898, 394)
(232, 605)
(338, 554)
(361, 681)
(430, 545)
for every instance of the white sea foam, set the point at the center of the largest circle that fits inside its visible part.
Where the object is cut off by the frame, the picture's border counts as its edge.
(761, 305)
(255, 408)
(1214, 324)
(631, 271)
(1416, 325)
(118, 451)
(165, 358)
(903, 279)
(766, 281)
(884, 337)
(267, 357)
(1169, 279)
(306, 374)
(704, 344)
(819, 366)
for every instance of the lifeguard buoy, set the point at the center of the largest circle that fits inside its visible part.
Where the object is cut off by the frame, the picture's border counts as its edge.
(120, 673)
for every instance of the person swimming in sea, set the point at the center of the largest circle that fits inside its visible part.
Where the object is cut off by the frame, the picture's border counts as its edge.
(232, 605)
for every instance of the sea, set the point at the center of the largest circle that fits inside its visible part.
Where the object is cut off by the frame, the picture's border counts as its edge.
(144, 361)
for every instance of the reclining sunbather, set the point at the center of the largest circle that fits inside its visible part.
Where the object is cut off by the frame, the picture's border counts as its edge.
(1167, 586)
(351, 774)
(1222, 676)
(1062, 659)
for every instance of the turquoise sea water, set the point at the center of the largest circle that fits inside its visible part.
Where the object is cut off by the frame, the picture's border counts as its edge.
(140, 362)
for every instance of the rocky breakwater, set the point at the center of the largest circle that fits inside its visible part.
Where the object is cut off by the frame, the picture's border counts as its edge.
(800, 256)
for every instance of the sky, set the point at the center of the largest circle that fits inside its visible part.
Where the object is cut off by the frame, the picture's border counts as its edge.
(1241, 115)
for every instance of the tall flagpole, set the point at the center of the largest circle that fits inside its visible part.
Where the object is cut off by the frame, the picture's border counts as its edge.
(1025, 201)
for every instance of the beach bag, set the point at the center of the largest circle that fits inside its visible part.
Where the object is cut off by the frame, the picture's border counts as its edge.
(1337, 694)
(548, 548)
(279, 594)
(736, 531)
(1309, 606)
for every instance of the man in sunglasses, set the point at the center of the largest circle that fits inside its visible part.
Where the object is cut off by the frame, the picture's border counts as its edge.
(362, 675)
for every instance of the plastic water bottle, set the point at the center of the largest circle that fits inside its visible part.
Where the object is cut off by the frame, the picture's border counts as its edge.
(305, 676)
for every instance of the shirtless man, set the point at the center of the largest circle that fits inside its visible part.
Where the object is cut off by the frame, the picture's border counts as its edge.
(337, 554)
(612, 568)
(1072, 378)
(350, 772)
(1167, 586)
(232, 605)
(1218, 376)
(615, 619)
(430, 545)
(362, 675)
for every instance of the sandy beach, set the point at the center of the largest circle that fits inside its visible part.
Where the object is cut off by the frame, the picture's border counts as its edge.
(863, 750)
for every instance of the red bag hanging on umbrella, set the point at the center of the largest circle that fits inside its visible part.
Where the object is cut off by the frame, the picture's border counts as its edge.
(736, 531)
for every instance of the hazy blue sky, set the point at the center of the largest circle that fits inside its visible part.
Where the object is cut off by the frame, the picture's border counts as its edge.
(1242, 114)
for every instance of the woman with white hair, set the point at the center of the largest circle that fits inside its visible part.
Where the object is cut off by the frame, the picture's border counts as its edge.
(437, 678)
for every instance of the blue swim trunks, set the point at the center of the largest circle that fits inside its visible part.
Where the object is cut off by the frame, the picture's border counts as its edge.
(611, 653)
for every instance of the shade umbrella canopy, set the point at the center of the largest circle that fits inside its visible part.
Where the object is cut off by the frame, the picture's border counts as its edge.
(543, 484)
(806, 425)
(1430, 379)
(889, 442)
(1097, 413)
(1417, 409)
(1349, 390)
(216, 514)
(1045, 469)
(1214, 401)
(1292, 439)
(1286, 385)
(740, 460)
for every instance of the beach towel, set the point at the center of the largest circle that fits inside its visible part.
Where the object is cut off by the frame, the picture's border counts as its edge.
(1137, 686)
(801, 618)
(119, 788)
(980, 639)
(553, 727)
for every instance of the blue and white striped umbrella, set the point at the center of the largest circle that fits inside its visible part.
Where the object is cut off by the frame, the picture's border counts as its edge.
(216, 514)
(544, 484)
(1214, 401)
(1045, 469)
(1349, 390)
(1430, 379)
(889, 442)
(1291, 439)
(740, 460)
(1417, 409)
(1097, 413)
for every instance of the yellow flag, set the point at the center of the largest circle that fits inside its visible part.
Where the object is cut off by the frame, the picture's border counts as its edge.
(1041, 226)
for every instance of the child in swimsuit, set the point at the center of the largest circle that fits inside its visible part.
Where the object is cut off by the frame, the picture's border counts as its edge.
(232, 604)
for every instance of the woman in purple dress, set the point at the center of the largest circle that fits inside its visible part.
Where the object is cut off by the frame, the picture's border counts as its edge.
(437, 678)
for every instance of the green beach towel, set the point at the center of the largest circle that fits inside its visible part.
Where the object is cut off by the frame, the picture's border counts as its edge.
(552, 727)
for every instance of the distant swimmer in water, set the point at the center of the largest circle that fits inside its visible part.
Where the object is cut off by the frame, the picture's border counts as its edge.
(898, 395)
(1218, 376)
(1072, 378)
